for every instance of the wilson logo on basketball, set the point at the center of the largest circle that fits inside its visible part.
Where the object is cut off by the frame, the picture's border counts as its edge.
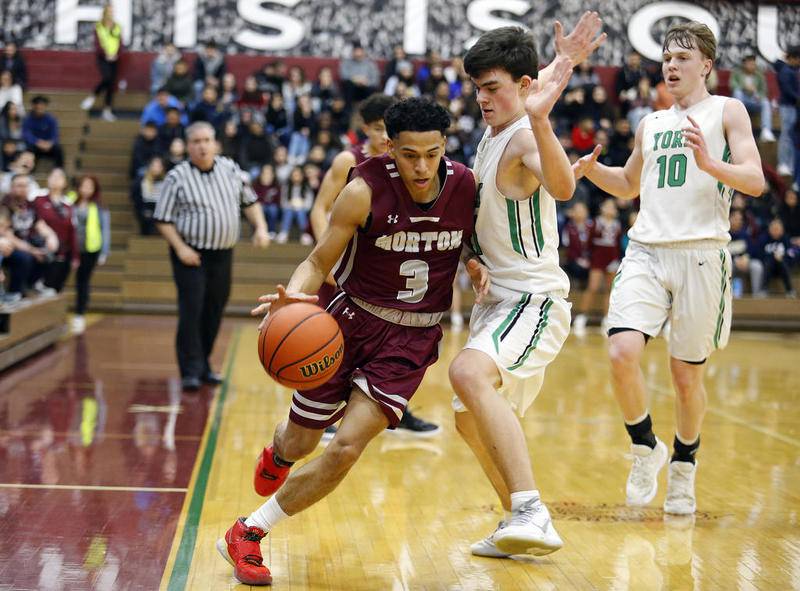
(321, 365)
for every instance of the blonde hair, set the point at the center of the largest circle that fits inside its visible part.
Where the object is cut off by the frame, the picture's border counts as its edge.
(693, 35)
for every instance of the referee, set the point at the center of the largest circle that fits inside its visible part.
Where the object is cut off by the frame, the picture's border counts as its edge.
(198, 212)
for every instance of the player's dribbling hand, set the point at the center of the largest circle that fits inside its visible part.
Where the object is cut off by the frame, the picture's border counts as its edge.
(275, 301)
(479, 275)
(586, 163)
(693, 138)
(583, 40)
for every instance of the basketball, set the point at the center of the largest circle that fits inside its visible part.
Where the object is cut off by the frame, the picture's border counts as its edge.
(301, 347)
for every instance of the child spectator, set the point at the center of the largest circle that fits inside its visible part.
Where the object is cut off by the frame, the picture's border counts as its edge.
(93, 228)
(297, 198)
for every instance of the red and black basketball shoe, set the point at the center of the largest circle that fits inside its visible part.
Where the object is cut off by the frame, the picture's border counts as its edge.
(241, 547)
(269, 476)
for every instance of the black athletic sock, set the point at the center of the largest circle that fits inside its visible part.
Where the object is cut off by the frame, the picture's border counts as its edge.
(642, 433)
(683, 452)
(279, 461)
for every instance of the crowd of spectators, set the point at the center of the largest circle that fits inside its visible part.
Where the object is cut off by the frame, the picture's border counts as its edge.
(284, 128)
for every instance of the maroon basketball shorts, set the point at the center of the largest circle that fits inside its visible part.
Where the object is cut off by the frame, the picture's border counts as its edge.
(384, 360)
(326, 294)
(605, 259)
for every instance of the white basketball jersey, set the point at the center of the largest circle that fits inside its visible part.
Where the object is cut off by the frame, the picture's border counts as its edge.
(679, 202)
(516, 240)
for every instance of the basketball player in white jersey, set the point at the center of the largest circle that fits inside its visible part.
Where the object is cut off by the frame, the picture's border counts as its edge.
(518, 330)
(686, 162)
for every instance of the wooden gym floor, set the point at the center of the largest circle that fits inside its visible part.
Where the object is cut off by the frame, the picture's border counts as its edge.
(111, 479)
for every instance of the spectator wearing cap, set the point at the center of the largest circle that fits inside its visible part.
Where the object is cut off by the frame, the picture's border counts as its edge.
(359, 75)
(749, 85)
(40, 131)
(788, 101)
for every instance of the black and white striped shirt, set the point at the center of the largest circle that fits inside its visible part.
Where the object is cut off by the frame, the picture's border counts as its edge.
(205, 206)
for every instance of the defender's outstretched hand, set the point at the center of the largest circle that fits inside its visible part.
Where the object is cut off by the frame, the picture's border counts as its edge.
(542, 97)
(583, 40)
(586, 163)
(272, 302)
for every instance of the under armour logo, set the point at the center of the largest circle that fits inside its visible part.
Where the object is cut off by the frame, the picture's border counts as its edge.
(350, 315)
(392, 219)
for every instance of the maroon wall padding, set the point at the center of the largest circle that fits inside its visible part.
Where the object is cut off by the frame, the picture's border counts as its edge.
(76, 70)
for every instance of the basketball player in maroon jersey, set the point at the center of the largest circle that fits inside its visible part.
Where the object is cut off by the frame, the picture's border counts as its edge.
(397, 230)
(372, 111)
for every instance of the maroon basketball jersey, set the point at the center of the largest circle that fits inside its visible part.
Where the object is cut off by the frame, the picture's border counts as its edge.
(358, 152)
(407, 256)
(605, 242)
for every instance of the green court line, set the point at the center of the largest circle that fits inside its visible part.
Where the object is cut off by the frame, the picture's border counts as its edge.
(183, 559)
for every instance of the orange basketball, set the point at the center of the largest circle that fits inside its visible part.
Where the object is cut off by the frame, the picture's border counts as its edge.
(301, 346)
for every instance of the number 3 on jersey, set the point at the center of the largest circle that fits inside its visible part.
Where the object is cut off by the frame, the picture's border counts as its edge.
(417, 282)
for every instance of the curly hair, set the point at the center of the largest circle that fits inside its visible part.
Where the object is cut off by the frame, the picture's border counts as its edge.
(416, 114)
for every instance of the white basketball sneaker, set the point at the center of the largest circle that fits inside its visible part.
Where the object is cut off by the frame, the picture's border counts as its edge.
(486, 546)
(529, 531)
(680, 489)
(643, 478)
(579, 326)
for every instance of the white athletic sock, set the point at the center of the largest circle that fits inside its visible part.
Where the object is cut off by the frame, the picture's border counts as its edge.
(521, 497)
(267, 515)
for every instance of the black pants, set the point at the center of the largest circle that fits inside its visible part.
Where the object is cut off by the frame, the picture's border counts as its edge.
(82, 278)
(773, 267)
(202, 294)
(58, 272)
(108, 79)
(55, 153)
